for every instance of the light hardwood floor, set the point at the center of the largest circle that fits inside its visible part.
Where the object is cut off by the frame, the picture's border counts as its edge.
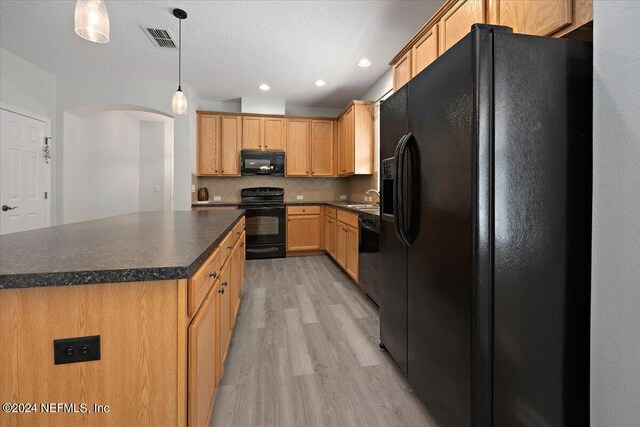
(305, 353)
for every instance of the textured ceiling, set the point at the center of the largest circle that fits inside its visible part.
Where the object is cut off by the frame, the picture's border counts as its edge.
(229, 47)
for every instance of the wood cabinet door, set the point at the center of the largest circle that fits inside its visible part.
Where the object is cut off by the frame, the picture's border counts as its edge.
(225, 308)
(341, 244)
(298, 153)
(243, 259)
(322, 147)
(342, 150)
(230, 143)
(273, 134)
(457, 21)
(351, 264)
(350, 141)
(536, 17)
(202, 362)
(208, 144)
(303, 233)
(425, 51)
(330, 236)
(233, 286)
(252, 133)
(402, 71)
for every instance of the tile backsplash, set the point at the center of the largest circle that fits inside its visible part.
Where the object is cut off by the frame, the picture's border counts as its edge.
(312, 189)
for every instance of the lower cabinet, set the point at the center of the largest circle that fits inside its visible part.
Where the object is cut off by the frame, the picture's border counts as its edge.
(304, 228)
(203, 375)
(210, 329)
(342, 240)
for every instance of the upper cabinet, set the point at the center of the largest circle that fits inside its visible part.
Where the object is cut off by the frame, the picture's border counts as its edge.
(219, 142)
(273, 133)
(539, 17)
(554, 18)
(252, 133)
(298, 150)
(425, 51)
(262, 133)
(322, 142)
(457, 21)
(355, 139)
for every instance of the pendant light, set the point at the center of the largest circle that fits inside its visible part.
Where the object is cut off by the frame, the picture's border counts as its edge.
(179, 103)
(92, 20)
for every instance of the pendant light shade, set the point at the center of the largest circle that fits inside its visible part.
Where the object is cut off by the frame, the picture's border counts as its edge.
(92, 20)
(179, 103)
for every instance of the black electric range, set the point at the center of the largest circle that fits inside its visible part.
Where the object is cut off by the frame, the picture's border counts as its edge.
(265, 222)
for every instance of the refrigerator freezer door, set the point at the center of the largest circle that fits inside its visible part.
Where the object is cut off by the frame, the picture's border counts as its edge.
(441, 106)
(393, 268)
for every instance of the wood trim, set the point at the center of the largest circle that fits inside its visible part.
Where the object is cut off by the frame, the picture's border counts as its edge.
(306, 253)
(223, 113)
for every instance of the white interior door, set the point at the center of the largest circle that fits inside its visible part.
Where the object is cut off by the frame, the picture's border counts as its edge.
(24, 173)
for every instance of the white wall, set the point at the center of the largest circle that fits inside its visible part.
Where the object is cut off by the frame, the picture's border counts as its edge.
(262, 105)
(383, 85)
(615, 313)
(152, 173)
(102, 166)
(25, 86)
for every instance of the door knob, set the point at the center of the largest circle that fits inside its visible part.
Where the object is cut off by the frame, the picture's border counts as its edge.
(8, 208)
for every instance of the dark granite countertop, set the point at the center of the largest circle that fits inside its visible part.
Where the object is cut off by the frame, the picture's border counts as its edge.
(145, 246)
(342, 204)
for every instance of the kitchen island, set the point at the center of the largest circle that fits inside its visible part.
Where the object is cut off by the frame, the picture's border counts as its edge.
(159, 290)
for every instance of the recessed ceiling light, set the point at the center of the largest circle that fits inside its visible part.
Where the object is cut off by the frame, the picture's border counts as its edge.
(364, 63)
(319, 83)
(264, 86)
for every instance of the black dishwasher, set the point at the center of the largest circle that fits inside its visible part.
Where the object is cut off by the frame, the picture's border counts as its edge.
(369, 256)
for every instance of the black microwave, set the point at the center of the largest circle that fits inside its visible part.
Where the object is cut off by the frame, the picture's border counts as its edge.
(262, 162)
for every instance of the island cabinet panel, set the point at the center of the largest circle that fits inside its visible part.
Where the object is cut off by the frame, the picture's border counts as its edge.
(203, 362)
(225, 309)
(341, 244)
(330, 236)
(322, 147)
(137, 372)
(298, 147)
(537, 17)
(457, 21)
(273, 134)
(252, 136)
(208, 144)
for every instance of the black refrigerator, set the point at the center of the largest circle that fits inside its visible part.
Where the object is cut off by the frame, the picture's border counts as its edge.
(486, 230)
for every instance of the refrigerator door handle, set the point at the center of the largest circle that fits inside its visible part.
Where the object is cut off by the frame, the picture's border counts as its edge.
(411, 206)
(398, 201)
(400, 191)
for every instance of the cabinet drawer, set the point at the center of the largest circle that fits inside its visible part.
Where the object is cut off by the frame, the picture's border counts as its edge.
(303, 210)
(202, 280)
(331, 212)
(237, 230)
(348, 218)
(226, 247)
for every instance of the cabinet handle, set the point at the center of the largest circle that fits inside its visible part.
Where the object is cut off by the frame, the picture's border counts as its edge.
(214, 274)
(242, 245)
(225, 283)
(229, 247)
(221, 291)
(238, 233)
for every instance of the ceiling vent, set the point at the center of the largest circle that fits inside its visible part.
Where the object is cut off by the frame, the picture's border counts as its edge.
(160, 38)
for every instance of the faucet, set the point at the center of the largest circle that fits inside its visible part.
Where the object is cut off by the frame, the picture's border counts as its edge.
(369, 191)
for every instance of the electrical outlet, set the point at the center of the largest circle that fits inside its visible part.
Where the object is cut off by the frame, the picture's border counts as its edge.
(74, 350)
(217, 198)
(299, 197)
(157, 188)
(193, 188)
(343, 197)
